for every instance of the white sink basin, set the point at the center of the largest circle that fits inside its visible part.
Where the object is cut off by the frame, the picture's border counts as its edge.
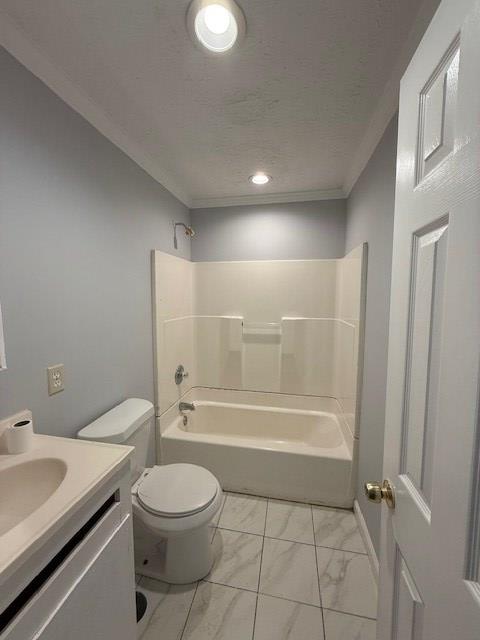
(26, 486)
(43, 487)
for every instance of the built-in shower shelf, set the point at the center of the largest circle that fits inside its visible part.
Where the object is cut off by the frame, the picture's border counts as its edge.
(262, 328)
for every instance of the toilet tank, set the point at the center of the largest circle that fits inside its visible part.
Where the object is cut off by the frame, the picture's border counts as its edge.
(131, 423)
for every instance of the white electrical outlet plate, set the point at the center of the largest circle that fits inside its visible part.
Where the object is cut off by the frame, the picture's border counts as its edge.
(55, 379)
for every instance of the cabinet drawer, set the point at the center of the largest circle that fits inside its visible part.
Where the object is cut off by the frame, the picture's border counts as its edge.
(107, 535)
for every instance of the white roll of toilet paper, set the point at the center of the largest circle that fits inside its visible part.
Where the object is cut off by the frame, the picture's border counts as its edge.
(20, 436)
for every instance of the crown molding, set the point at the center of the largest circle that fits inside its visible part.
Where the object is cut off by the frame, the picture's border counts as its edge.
(18, 44)
(267, 198)
(388, 103)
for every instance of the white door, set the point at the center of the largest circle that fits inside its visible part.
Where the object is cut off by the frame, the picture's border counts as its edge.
(430, 555)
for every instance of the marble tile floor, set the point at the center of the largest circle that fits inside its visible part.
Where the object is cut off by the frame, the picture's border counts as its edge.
(283, 571)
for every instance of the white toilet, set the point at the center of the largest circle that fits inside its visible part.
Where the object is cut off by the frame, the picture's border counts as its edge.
(173, 505)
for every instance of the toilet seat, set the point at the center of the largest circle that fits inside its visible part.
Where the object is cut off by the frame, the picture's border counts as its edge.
(176, 490)
(171, 525)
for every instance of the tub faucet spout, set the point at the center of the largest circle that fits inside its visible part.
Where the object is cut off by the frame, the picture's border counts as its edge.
(186, 406)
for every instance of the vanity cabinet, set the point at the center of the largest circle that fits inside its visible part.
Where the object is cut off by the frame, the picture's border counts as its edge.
(100, 604)
(83, 586)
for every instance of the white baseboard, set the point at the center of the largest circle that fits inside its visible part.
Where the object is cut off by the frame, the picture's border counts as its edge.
(362, 525)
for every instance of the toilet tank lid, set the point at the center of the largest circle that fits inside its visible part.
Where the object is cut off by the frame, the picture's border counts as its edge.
(118, 424)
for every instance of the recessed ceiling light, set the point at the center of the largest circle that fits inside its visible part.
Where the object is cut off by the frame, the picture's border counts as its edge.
(217, 19)
(216, 24)
(260, 178)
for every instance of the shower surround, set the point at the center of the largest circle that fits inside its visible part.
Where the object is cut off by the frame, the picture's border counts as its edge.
(285, 338)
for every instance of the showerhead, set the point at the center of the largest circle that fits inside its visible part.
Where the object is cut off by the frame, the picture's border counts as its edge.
(188, 232)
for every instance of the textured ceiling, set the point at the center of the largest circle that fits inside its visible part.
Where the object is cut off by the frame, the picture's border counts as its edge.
(293, 100)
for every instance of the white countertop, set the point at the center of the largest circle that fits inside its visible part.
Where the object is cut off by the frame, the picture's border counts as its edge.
(88, 466)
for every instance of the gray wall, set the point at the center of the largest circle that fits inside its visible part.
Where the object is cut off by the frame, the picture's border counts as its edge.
(300, 230)
(77, 222)
(370, 211)
(328, 229)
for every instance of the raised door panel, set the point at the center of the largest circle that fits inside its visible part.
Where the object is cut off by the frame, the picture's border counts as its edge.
(438, 104)
(423, 354)
(409, 608)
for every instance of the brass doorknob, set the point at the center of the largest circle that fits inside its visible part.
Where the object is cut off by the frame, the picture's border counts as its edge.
(377, 492)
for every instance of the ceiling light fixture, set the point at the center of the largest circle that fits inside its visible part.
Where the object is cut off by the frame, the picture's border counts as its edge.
(216, 24)
(260, 178)
(217, 19)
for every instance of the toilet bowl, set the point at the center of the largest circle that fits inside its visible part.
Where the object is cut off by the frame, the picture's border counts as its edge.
(173, 505)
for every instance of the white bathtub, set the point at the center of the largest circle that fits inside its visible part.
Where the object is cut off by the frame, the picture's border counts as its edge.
(275, 445)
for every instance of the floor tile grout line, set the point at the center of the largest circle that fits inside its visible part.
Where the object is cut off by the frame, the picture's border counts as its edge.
(216, 527)
(224, 584)
(286, 500)
(307, 604)
(307, 544)
(248, 533)
(347, 613)
(229, 586)
(318, 577)
(355, 553)
(198, 581)
(255, 616)
(260, 572)
(311, 506)
(270, 595)
(189, 611)
(224, 502)
(263, 547)
(262, 593)
(304, 604)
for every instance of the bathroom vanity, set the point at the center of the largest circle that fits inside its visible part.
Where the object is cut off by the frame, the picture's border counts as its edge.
(66, 547)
